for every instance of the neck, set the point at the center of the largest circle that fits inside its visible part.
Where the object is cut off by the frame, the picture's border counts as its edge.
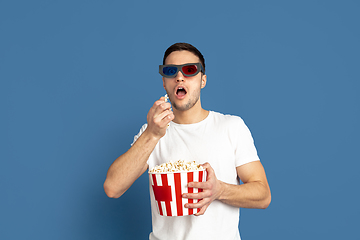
(194, 115)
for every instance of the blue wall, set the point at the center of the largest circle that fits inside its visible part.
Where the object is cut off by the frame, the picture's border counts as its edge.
(78, 77)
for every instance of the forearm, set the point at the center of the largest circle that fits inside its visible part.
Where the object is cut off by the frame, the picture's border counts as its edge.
(128, 167)
(247, 195)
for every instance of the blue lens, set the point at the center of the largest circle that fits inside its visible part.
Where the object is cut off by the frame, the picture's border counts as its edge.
(169, 71)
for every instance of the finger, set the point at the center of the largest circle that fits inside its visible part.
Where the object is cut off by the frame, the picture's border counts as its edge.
(202, 210)
(162, 115)
(208, 167)
(159, 102)
(158, 108)
(199, 204)
(202, 185)
(161, 106)
(199, 195)
(210, 171)
(164, 118)
(166, 106)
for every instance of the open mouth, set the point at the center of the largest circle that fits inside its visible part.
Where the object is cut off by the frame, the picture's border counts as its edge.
(180, 92)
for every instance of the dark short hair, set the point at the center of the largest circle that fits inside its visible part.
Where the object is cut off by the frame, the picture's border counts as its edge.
(187, 47)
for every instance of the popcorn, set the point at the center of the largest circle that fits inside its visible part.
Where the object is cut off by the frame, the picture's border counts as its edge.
(178, 166)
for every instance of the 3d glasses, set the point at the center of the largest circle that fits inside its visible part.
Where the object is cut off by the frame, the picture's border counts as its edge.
(188, 69)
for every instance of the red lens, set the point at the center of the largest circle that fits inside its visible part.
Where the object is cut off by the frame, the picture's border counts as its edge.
(189, 69)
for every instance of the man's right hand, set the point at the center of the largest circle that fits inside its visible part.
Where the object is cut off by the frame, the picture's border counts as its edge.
(158, 118)
(130, 165)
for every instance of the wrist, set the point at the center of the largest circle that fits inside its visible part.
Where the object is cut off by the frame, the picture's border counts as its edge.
(150, 136)
(222, 190)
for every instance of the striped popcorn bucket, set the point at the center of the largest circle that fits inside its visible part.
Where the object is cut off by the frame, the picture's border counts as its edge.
(168, 188)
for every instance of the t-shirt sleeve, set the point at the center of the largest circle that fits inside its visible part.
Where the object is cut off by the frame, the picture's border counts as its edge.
(139, 134)
(245, 151)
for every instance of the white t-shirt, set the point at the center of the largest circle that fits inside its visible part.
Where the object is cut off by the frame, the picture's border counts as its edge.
(225, 142)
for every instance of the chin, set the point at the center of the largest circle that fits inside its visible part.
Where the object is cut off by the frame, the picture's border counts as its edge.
(185, 106)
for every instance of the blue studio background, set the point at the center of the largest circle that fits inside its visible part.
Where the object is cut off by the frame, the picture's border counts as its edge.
(77, 79)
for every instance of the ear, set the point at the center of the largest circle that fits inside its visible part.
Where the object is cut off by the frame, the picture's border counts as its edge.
(163, 82)
(203, 81)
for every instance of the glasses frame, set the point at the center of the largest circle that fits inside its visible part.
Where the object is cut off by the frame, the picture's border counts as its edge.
(179, 68)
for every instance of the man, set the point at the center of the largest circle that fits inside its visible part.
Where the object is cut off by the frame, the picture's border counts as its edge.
(222, 142)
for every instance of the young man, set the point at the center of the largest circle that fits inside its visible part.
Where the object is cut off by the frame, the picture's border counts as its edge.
(222, 142)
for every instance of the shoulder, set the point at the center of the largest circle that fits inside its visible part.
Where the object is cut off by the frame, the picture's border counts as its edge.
(232, 124)
(226, 118)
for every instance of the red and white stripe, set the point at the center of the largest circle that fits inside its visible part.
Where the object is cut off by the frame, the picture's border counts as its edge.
(168, 188)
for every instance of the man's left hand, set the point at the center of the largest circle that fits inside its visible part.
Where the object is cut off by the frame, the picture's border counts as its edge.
(212, 189)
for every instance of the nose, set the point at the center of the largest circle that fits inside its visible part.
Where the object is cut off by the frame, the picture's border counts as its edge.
(180, 77)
